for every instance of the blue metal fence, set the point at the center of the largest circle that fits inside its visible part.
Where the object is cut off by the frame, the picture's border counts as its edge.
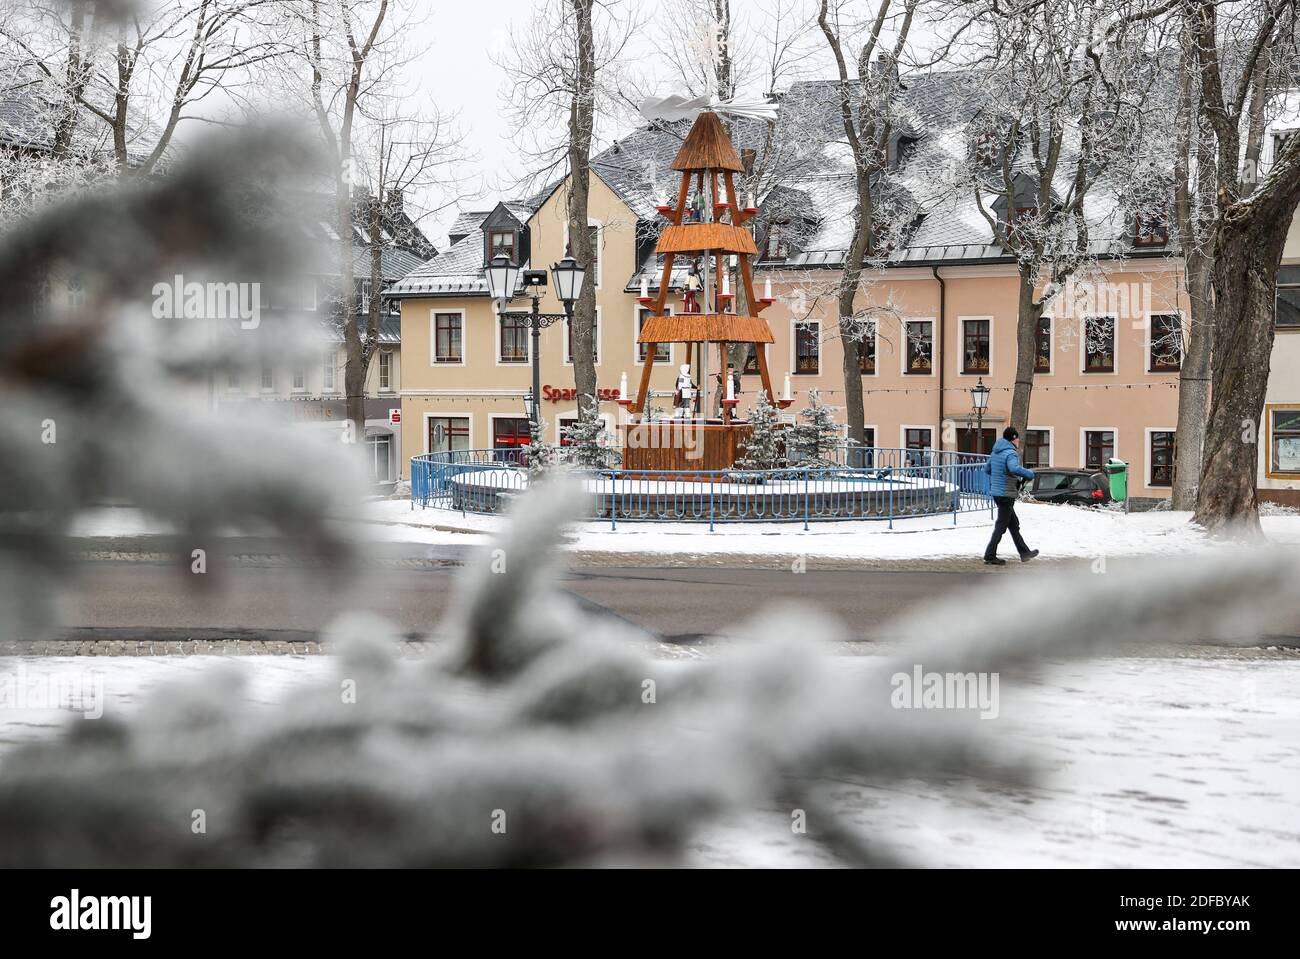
(882, 484)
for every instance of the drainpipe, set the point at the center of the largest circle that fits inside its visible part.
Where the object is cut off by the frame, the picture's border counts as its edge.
(941, 349)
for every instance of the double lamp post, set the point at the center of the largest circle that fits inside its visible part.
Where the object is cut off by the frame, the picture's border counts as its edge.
(502, 278)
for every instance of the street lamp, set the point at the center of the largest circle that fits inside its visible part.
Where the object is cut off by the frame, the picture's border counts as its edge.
(979, 397)
(502, 276)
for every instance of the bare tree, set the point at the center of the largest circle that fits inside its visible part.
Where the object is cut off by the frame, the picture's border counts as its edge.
(1243, 50)
(562, 71)
(140, 73)
(867, 94)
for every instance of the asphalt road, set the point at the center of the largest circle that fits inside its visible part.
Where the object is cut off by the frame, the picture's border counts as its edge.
(130, 599)
(132, 591)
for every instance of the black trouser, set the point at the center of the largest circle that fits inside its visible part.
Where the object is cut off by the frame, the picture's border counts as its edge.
(1007, 521)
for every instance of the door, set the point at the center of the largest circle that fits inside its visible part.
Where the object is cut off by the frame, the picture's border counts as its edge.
(448, 433)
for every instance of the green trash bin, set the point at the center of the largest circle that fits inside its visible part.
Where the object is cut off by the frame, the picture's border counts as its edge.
(1117, 472)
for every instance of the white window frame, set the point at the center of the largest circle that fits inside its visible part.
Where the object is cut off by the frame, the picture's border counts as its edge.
(573, 414)
(435, 414)
(1083, 344)
(266, 368)
(433, 337)
(600, 248)
(1083, 442)
(794, 349)
(1151, 460)
(935, 347)
(330, 372)
(564, 341)
(379, 372)
(902, 433)
(636, 332)
(388, 438)
(298, 373)
(1146, 346)
(962, 320)
(875, 336)
(496, 344)
(1051, 445)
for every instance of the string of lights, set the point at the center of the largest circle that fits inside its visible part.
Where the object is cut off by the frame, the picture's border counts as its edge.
(449, 398)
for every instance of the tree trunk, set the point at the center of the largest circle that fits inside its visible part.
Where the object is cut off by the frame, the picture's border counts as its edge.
(854, 407)
(1028, 312)
(1247, 251)
(354, 374)
(1194, 385)
(580, 131)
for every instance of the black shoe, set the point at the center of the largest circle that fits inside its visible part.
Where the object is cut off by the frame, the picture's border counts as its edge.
(1026, 557)
(994, 561)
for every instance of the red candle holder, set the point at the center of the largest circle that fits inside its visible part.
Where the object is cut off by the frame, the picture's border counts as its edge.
(645, 300)
(783, 403)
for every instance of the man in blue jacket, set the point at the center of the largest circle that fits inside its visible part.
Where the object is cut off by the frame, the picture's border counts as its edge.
(1003, 463)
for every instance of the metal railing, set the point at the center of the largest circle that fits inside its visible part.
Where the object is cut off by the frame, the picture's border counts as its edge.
(881, 484)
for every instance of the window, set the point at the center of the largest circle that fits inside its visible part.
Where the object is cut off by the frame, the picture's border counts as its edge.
(1284, 441)
(448, 341)
(920, 341)
(330, 372)
(1098, 446)
(975, 346)
(916, 439)
(751, 359)
(299, 380)
(1166, 347)
(595, 339)
(1043, 356)
(1038, 449)
(972, 440)
(663, 351)
(1099, 344)
(514, 338)
(511, 434)
(1162, 457)
(867, 354)
(986, 147)
(447, 433)
(807, 347)
(268, 378)
(501, 241)
(1150, 229)
(774, 245)
(378, 449)
(364, 303)
(386, 370)
(869, 436)
(593, 268)
(562, 424)
(1287, 313)
(233, 382)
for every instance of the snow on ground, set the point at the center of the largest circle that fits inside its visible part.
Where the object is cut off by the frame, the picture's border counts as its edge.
(1060, 532)
(1146, 762)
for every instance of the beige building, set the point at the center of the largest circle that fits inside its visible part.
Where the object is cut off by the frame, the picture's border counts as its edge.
(468, 373)
(1279, 439)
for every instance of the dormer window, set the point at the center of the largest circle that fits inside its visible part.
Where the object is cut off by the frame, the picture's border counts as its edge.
(986, 147)
(1150, 230)
(1023, 214)
(774, 247)
(502, 241)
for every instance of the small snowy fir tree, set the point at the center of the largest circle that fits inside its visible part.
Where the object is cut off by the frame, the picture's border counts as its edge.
(813, 441)
(764, 448)
(590, 445)
(543, 458)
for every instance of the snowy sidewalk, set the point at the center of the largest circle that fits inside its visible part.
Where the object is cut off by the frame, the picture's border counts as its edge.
(1060, 532)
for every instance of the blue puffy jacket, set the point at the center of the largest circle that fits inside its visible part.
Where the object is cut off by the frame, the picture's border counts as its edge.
(1004, 461)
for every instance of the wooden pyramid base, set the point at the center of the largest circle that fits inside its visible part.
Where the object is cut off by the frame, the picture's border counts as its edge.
(687, 446)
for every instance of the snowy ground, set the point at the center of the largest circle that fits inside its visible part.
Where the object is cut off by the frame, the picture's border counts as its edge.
(1058, 531)
(1147, 762)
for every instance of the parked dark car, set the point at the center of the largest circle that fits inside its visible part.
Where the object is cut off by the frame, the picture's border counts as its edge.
(1081, 487)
